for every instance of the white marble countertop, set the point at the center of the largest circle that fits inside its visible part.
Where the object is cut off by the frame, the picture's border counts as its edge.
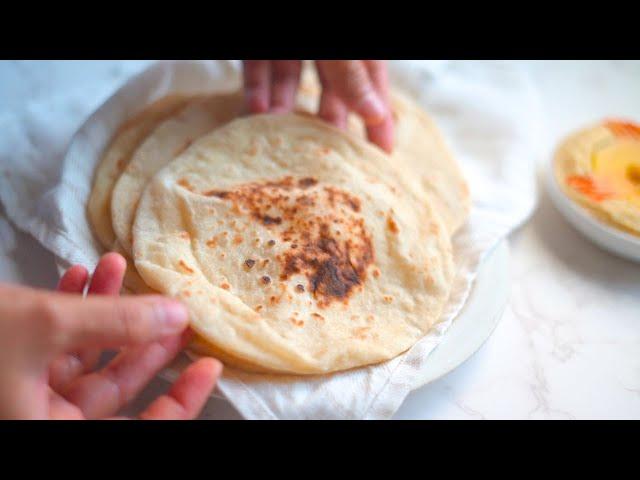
(568, 345)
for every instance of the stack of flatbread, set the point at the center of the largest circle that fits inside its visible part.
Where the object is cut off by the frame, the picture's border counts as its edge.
(297, 247)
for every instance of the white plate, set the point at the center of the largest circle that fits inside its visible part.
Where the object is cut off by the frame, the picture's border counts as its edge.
(615, 241)
(471, 328)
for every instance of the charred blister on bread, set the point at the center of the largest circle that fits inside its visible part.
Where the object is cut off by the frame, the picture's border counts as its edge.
(305, 214)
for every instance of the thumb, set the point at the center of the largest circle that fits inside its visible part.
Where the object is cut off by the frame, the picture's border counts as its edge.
(109, 322)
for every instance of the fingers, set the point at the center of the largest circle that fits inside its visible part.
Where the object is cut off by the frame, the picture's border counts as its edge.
(108, 275)
(106, 280)
(188, 394)
(256, 85)
(73, 280)
(382, 133)
(285, 75)
(68, 366)
(271, 85)
(61, 409)
(74, 323)
(379, 77)
(332, 108)
(358, 85)
(350, 80)
(103, 393)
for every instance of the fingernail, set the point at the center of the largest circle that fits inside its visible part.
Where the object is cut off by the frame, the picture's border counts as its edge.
(173, 315)
(374, 108)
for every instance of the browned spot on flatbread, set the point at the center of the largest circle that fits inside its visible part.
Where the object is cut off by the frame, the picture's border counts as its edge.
(333, 267)
(183, 182)
(216, 193)
(392, 225)
(360, 332)
(307, 182)
(334, 260)
(186, 267)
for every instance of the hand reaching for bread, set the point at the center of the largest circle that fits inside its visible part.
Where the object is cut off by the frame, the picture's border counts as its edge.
(360, 86)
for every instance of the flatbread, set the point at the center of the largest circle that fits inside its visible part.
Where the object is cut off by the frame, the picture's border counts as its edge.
(116, 158)
(421, 149)
(169, 139)
(296, 247)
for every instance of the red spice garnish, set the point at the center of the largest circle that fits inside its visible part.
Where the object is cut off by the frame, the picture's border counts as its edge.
(587, 186)
(621, 128)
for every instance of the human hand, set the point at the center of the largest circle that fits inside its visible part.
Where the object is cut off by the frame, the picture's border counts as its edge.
(50, 343)
(360, 86)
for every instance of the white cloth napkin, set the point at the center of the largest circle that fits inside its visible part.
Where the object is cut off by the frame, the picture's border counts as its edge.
(489, 113)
